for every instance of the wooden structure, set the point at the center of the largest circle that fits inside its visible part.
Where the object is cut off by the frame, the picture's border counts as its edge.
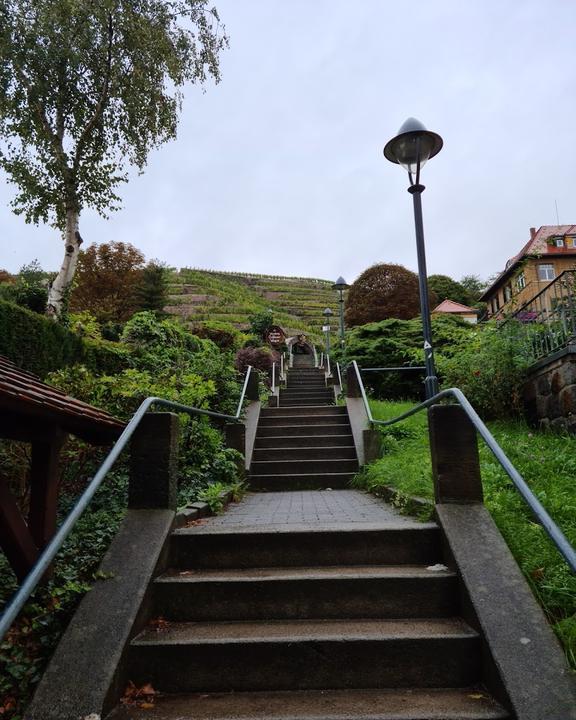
(35, 413)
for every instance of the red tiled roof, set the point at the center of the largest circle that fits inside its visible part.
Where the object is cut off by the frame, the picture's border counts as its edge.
(537, 245)
(449, 306)
(24, 396)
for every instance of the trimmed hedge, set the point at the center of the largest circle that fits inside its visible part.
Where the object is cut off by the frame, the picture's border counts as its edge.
(40, 345)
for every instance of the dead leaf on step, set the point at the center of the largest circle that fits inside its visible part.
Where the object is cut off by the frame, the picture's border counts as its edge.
(159, 624)
(192, 523)
(142, 697)
(477, 696)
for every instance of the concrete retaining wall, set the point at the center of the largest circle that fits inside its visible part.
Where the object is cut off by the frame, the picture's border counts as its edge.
(550, 391)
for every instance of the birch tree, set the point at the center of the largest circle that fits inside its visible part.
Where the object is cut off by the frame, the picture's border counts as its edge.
(88, 88)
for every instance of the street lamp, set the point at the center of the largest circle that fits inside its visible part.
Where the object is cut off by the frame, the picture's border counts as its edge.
(327, 314)
(411, 148)
(340, 285)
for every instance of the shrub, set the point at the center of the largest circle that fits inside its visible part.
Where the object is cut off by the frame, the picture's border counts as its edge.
(222, 334)
(490, 369)
(383, 291)
(259, 358)
(397, 343)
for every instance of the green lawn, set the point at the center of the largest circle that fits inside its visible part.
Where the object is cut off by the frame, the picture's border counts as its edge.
(547, 462)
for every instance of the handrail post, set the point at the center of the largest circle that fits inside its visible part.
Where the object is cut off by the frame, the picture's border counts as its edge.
(455, 459)
(273, 376)
(352, 385)
(154, 463)
(253, 386)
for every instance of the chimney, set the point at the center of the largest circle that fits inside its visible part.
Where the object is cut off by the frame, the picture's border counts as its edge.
(532, 233)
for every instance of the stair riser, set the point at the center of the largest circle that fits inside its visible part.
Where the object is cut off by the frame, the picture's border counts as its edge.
(301, 419)
(274, 412)
(292, 483)
(292, 467)
(411, 546)
(304, 442)
(318, 453)
(306, 599)
(288, 430)
(435, 662)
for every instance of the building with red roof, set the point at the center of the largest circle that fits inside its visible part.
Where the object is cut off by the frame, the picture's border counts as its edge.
(450, 307)
(550, 251)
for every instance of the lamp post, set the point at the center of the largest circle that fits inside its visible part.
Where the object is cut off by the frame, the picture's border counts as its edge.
(327, 314)
(411, 148)
(340, 285)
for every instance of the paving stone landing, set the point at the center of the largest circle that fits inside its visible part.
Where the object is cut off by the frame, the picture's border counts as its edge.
(308, 605)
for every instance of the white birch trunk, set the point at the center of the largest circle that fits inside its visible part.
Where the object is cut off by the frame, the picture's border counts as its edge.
(63, 280)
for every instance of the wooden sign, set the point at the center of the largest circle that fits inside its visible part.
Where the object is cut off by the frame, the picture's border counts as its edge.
(275, 335)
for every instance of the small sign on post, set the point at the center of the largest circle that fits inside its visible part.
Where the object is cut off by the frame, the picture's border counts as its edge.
(275, 335)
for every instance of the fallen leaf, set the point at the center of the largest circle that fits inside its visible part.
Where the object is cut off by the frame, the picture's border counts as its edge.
(477, 696)
(159, 624)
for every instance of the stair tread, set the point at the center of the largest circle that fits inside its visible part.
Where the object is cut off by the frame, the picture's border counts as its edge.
(321, 572)
(188, 633)
(472, 703)
(402, 524)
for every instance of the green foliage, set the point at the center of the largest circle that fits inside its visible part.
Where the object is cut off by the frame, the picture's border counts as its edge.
(260, 322)
(85, 325)
(490, 369)
(41, 346)
(446, 288)
(222, 334)
(406, 466)
(31, 641)
(397, 343)
(474, 286)
(152, 291)
(30, 288)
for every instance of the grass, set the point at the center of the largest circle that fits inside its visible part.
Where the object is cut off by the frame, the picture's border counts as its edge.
(548, 464)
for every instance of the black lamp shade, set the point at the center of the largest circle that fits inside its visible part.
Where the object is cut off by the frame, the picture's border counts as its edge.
(340, 284)
(413, 144)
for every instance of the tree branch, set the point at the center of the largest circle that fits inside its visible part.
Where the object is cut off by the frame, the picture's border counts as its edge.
(101, 100)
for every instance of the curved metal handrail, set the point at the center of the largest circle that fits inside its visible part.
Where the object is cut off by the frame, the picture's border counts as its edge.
(51, 550)
(339, 376)
(552, 530)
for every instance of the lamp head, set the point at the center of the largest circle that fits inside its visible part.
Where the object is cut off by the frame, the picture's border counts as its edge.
(340, 284)
(413, 146)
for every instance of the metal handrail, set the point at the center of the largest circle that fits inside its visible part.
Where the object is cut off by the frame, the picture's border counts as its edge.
(315, 356)
(282, 366)
(535, 297)
(273, 388)
(50, 551)
(339, 375)
(328, 368)
(552, 530)
(321, 363)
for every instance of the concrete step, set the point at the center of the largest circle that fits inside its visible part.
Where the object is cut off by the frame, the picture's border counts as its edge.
(256, 656)
(321, 410)
(302, 481)
(308, 441)
(305, 594)
(298, 467)
(302, 430)
(306, 416)
(306, 402)
(471, 703)
(341, 452)
(404, 543)
(299, 391)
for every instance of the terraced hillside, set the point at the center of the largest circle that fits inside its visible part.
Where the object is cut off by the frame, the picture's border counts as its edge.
(297, 303)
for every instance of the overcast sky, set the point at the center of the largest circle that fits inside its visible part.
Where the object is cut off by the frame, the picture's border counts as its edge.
(279, 168)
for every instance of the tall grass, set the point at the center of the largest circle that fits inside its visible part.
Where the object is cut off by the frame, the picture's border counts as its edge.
(548, 464)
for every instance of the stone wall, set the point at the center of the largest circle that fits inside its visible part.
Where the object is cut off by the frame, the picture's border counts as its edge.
(550, 391)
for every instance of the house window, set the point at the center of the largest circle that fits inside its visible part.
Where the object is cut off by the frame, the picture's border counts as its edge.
(545, 272)
(571, 242)
(559, 242)
(521, 281)
(497, 301)
(507, 293)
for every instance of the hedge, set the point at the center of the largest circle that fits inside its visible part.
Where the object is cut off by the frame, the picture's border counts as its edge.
(40, 346)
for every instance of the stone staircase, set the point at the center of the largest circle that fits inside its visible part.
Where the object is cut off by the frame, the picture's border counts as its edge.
(319, 622)
(306, 442)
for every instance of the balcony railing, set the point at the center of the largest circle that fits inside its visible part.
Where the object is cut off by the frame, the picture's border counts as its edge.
(547, 322)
